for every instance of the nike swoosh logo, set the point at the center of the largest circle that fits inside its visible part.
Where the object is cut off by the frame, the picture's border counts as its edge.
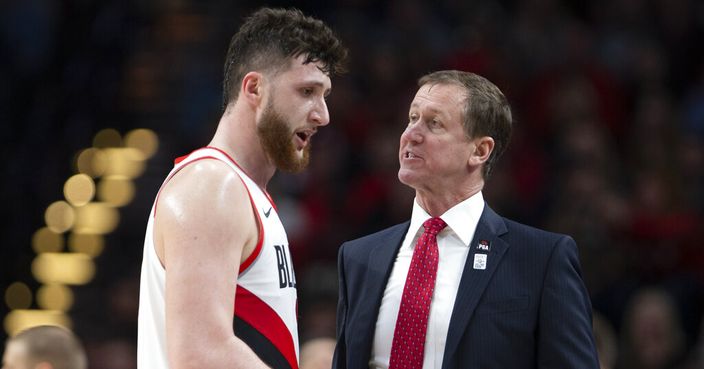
(266, 213)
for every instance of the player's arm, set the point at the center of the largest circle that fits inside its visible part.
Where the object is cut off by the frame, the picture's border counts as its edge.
(204, 226)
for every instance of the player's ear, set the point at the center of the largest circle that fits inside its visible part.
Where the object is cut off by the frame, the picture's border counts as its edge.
(252, 88)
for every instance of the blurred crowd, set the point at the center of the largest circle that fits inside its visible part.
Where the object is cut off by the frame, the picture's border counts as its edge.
(608, 145)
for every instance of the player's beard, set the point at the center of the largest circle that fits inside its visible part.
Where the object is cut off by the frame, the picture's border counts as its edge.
(277, 140)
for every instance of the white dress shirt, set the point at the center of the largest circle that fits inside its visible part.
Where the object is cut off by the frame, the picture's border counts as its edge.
(453, 246)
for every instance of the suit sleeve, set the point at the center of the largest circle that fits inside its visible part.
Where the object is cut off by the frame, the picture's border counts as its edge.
(565, 338)
(340, 357)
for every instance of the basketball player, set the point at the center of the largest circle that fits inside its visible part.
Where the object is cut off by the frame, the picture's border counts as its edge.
(218, 288)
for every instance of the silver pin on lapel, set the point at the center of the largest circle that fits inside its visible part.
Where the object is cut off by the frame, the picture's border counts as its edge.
(480, 261)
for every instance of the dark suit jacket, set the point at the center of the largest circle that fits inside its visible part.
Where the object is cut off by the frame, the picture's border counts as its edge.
(528, 309)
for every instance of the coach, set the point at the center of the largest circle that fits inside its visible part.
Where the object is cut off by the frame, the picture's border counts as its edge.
(459, 286)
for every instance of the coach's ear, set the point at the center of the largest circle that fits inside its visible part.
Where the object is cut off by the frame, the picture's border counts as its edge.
(483, 146)
(252, 89)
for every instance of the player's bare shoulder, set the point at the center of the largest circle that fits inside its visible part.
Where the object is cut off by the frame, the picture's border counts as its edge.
(204, 199)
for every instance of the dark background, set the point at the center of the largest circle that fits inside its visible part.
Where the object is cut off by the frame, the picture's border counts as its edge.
(608, 144)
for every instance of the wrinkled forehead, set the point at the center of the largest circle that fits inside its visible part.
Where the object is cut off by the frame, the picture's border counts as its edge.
(440, 96)
(454, 91)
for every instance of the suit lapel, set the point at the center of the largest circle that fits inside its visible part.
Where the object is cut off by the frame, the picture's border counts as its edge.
(380, 263)
(474, 281)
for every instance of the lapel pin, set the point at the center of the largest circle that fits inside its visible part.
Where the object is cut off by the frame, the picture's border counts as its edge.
(480, 261)
(483, 245)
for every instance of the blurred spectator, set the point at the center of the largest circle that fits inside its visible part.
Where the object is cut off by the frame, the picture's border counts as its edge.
(112, 354)
(318, 301)
(44, 347)
(652, 336)
(317, 353)
(697, 356)
(606, 342)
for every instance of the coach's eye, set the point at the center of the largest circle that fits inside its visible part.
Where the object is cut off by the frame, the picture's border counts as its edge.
(434, 124)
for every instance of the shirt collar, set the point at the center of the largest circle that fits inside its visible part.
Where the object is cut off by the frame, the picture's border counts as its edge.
(462, 218)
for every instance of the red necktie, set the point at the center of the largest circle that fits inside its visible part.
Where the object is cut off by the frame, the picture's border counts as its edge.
(408, 345)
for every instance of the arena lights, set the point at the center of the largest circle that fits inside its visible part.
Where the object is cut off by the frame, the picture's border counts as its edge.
(86, 243)
(124, 162)
(101, 185)
(46, 240)
(20, 319)
(55, 297)
(92, 162)
(96, 218)
(63, 267)
(108, 137)
(59, 216)
(79, 189)
(116, 190)
(18, 296)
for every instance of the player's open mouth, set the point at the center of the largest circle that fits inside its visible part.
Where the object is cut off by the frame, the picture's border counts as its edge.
(304, 137)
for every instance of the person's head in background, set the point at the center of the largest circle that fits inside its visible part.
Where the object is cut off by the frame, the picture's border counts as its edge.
(44, 347)
(606, 343)
(652, 333)
(317, 353)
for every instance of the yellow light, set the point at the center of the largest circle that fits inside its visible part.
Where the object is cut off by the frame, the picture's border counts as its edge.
(91, 162)
(46, 240)
(107, 137)
(65, 268)
(55, 297)
(18, 320)
(116, 190)
(79, 189)
(126, 162)
(144, 140)
(18, 296)
(86, 243)
(96, 218)
(59, 216)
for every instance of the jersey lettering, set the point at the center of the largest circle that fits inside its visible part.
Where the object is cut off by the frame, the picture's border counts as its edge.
(286, 277)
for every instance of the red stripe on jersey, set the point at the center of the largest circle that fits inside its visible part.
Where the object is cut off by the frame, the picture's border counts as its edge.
(257, 249)
(180, 159)
(264, 319)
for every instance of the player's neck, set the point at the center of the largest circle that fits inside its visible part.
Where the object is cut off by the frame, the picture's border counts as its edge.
(237, 136)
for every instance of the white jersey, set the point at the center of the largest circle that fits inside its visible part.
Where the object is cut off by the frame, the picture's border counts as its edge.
(266, 298)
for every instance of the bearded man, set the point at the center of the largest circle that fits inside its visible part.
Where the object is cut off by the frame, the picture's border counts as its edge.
(214, 237)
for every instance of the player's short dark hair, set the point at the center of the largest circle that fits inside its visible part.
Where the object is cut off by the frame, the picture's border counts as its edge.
(269, 38)
(486, 110)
